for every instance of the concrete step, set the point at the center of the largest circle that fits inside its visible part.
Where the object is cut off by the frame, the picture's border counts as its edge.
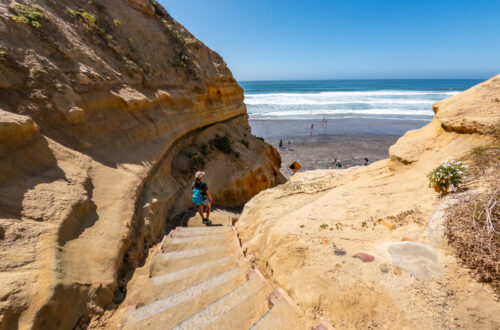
(193, 233)
(208, 229)
(217, 217)
(168, 311)
(281, 316)
(195, 242)
(162, 263)
(169, 283)
(238, 309)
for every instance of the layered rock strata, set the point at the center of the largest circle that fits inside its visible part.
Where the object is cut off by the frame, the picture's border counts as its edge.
(106, 110)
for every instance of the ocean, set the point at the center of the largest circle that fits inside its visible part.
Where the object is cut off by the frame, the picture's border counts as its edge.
(352, 107)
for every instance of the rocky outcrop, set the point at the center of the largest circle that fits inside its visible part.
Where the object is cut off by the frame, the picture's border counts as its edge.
(303, 234)
(477, 110)
(106, 110)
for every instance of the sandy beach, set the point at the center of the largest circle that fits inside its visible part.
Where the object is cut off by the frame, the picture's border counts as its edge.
(318, 152)
(354, 141)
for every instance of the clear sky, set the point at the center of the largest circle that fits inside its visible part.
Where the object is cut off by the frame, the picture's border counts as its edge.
(347, 39)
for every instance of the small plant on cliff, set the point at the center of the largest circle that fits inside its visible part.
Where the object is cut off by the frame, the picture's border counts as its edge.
(28, 15)
(222, 143)
(448, 175)
(88, 18)
(117, 22)
(323, 226)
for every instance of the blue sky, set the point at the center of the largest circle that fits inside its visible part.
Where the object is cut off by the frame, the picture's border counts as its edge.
(347, 39)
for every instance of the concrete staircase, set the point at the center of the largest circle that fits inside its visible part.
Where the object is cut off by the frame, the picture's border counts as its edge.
(199, 279)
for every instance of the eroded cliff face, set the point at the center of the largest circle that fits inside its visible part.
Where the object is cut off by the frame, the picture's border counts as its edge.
(107, 107)
(303, 234)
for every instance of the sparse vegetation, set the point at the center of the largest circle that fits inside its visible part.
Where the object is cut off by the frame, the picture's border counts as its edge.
(258, 137)
(448, 175)
(301, 226)
(28, 15)
(117, 22)
(237, 154)
(184, 60)
(323, 226)
(222, 143)
(473, 223)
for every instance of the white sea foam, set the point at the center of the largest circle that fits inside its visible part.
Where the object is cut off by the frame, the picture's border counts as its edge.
(316, 105)
(301, 113)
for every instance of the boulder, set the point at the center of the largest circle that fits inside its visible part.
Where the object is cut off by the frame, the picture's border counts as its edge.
(419, 260)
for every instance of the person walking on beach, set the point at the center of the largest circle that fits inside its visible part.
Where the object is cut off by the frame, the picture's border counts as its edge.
(312, 127)
(366, 162)
(201, 196)
(336, 163)
(280, 144)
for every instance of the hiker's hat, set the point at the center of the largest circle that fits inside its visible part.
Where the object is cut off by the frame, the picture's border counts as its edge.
(199, 175)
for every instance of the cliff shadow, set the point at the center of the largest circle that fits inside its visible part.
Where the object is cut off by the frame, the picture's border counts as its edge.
(23, 167)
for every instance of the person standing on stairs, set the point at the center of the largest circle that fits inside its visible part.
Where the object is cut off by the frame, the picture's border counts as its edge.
(201, 196)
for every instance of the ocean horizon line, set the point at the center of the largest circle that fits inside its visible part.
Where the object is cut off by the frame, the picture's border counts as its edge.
(358, 79)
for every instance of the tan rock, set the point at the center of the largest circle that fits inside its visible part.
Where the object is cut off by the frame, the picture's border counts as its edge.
(357, 294)
(85, 187)
(476, 110)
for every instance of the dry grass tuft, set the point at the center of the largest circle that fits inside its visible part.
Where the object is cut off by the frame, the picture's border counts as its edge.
(473, 225)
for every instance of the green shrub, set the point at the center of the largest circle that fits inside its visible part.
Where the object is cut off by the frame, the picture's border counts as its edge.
(323, 226)
(89, 19)
(237, 154)
(258, 137)
(448, 175)
(117, 22)
(28, 15)
(222, 143)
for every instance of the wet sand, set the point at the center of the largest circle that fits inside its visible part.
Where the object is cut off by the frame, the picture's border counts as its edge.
(355, 141)
(318, 152)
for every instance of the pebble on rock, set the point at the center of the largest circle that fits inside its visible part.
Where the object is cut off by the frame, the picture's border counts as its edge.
(340, 252)
(384, 268)
(365, 257)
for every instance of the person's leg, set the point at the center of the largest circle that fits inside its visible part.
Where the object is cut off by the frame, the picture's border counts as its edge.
(200, 211)
(209, 206)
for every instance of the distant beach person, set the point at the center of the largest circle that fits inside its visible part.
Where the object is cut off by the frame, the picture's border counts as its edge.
(336, 163)
(366, 162)
(280, 144)
(201, 196)
(312, 127)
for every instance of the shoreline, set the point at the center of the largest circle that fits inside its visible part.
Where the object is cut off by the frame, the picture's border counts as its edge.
(318, 152)
(348, 140)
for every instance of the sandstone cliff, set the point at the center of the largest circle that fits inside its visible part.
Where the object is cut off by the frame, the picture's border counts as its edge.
(107, 107)
(303, 234)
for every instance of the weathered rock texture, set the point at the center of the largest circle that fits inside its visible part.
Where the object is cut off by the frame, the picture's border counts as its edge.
(296, 233)
(107, 107)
